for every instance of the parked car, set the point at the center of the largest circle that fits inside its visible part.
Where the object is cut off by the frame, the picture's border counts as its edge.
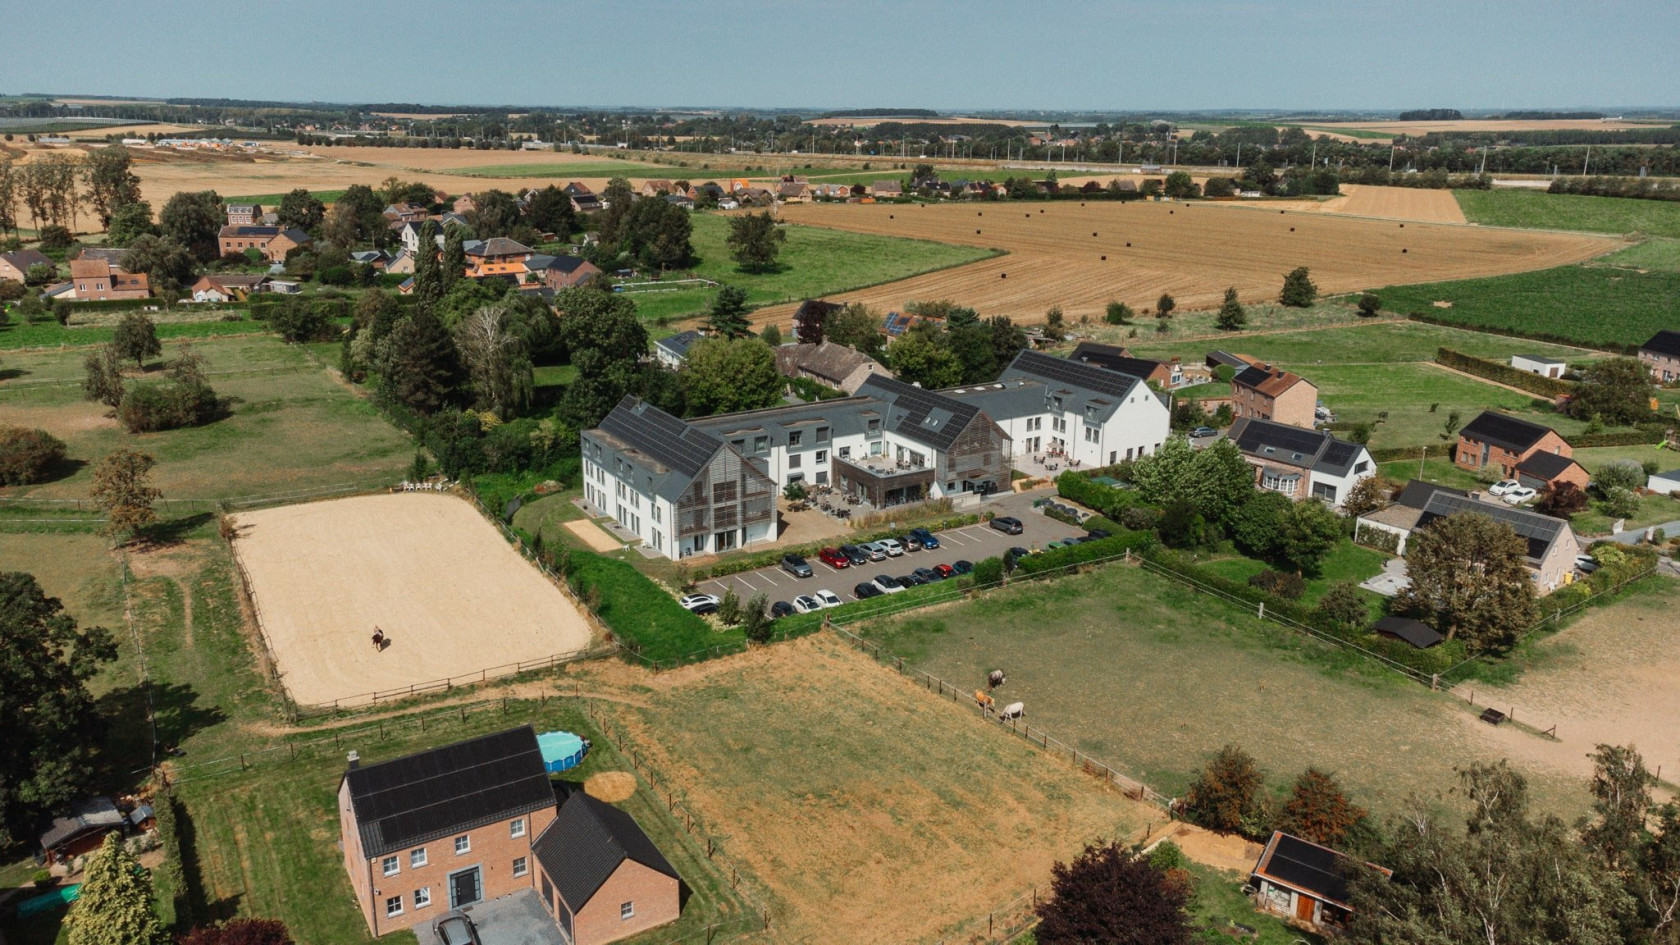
(894, 549)
(866, 590)
(1057, 544)
(857, 556)
(888, 584)
(806, 604)
(780, 609)
(910, 542)
(910, 580)
(1200, 432)
(963, 566)
(1097, 533)
(875, 550)
(1008, 524)
(928, 575)
(1586, 564)
(829, 599)
(835, 558)
(945, 570)
(796, 566)
(1503, 486)
(927, 538)
(1519, 495)
(701, 603)
(456, 929)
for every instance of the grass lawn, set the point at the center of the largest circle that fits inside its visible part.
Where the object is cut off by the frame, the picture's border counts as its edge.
(1347, 562)
(1362, 342)
(1220, 901)
(1595, 305)
(1405, 392)
(1532, 209)
(815, 261)
(291, 428)
(272, 201)
(1654, 253)
(1153, 678)
(51, 334)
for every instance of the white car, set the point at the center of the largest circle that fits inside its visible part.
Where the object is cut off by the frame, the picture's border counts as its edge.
(701, 603)
(889, 584)
(1586, 564)
(1519, 495)
(806, 604)
(828, 599)
(1503, 486)
(893, 548)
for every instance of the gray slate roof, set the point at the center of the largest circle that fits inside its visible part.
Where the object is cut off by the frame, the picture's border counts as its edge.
(1503, 430)
(678, 344)
(928, 417)
(1270, 441)
(496, 246)
(587, 843)
(827, 360)
(1540, 531)
(86, 816)
(417, 798)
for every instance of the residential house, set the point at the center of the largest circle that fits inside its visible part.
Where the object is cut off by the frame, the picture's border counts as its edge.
(1551, 544)
(886, 189)
(371, 257)
(583, 199)
(655, 188)
(464, 204)
(680, 200)
(1536, 364)
(830, 364)
(1301, 463)
(1545, 470)
(273, 242)
(82, 830)
(1300, 880)
(111, 255)
(402, 263)
(242, 214)
(497, 257)
(709, 190)
(671, 352)
(560, 272)
(15, 265)
(1661, 355)
(1503, 441)
(96, 280)
(1163, 374)
(479, 819)
(1263, 392)
(1236, 362)
(227, 286)
(793, 192)
(600, 876)
(405, 212)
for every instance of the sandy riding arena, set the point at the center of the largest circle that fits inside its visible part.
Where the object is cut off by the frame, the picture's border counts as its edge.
(453, 596)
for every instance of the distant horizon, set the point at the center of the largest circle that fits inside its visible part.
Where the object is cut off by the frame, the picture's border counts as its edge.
(1075, 55)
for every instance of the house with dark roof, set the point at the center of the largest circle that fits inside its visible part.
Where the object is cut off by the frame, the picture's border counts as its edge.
(1301, 463)
(830, 364)
(227, 286)
(462, 823)
(673, 350)
(81, 830)
(1264, 392)
(1303, 881)
(1074, 409)
(560, 272)
(1503, 442)
(1661, 355)
(583, 199)
(1164, 374)
(1546, 470)
(15, 265)
(600, 876)
(1551, 545)
(1401, 516)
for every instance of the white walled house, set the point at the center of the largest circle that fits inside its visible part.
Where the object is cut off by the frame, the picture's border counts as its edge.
(1302, 463)
(1535, 364)
(1095, 415)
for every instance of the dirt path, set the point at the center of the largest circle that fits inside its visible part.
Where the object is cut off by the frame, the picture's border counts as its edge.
(1220, 851)
(1450, 370)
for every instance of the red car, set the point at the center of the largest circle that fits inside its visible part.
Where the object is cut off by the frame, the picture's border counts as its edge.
(834, 558)
(945, 570)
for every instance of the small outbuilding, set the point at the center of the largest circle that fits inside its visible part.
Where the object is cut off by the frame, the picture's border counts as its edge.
(1535, 364)
(1415, 632)
(1665, 483)
(82, 830)
(1303, 881)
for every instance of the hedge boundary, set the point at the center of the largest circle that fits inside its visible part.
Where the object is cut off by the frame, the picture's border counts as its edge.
(1503, 373)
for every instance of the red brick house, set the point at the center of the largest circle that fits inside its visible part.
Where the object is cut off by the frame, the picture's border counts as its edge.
(1505, 442)
(274, 242)
(98, 280)
(15, 265)
(1263, 392)
(460, 824)
(1163, 374)
(1661, 355)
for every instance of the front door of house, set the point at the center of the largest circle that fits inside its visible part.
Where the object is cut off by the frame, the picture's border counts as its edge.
(464, 888)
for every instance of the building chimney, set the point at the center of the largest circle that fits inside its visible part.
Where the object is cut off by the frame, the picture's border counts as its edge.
(355, 760)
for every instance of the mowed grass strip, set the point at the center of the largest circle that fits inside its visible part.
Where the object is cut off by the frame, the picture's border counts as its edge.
(1533, 209)
(292, 428)
(50, 334)
(1599, 306)
(863, 807)
(1152, 677)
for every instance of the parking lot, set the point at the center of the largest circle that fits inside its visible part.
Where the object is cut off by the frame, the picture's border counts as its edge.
(973, 543)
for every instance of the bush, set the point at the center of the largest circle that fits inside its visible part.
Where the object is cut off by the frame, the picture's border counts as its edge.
(1378, 539)
(28, 456)
(1620, 502)
(167, 405)
(988, 572)
(1343, 608)
(729, 608)
(55, 237)
(1070, 556)
(1623, 474)
(1279, 583)
(1228, 795)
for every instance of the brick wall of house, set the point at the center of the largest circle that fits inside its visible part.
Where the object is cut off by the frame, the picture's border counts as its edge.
(1665, 369)
(492, 848)
(1296, 405)
(1469, 453)
(653, 895)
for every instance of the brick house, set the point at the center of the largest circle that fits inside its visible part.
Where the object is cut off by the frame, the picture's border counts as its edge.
(600, 876)
(1163, 374)
(15, 266)
(1496, 439)
(1301, 463)
(830, 364)
(274, 242)
(458, 824)
(98, 280)
(1662, 356)
(1551, 545)
(560, 272)
(1263, 392)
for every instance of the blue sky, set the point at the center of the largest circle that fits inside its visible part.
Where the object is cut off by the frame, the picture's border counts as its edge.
(1053, 54)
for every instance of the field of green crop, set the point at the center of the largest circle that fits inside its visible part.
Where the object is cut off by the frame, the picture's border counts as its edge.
(1534, 209)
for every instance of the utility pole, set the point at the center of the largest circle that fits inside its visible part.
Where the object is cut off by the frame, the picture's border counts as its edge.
(1586, 161)
(1239, 155)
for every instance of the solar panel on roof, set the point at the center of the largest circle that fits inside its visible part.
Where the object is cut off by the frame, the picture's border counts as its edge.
(1075, 373)
(667, 439)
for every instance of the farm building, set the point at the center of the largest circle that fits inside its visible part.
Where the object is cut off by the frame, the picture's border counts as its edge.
(1301, 463)
(1551, 543)
(1535, 364)
(1496, 439)
(830, 364)
(1263, 392)
(1303, 881)
(1662, 356)
(462, 824)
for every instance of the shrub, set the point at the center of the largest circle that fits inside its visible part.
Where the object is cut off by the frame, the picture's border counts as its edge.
(1378, 539)
(1623, 474)
(28, 456)
(1227, 795)
(729, 608)
(1070, 556)
(1620, 502)
(1284, 585)
(55, 237)
(988, 572)
(167, 405)
(1343, 607)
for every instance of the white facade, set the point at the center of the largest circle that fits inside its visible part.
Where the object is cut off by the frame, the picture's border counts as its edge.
(1136, 427)
(652, 518)
(1334, 489)
(1545, 367)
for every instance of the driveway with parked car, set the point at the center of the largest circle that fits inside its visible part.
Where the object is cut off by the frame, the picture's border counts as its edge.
(896, 560)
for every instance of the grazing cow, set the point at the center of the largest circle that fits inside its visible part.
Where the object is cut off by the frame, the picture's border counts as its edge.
(378, 640)
(996, 678)
(982, 700)
(1013, 710)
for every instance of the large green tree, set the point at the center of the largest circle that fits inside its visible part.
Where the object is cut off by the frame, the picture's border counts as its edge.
(49, 718)
(129, 222)
(498, 360)
(301, 209)
(1468, 580)
(169, 265)
(1615, 390)
(1231, 315)
(194, 219)
(1298, 288)
(1215, 481)
(755, 241)
(428, 271)
(111, 181)
(136, 337)
(1310, 532)
(726, 375)
(606, 342)
(550, 211)
(856, 326)
(727, 315)
(423, 368)
(923, 357)
(115, 903)
(495, 213)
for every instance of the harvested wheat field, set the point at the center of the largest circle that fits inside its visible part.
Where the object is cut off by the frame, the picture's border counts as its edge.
(453, 596)
(1394, 203)
(1192, 250)
(827, 777)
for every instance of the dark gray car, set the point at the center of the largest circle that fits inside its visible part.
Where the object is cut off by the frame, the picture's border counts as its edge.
(456, 929)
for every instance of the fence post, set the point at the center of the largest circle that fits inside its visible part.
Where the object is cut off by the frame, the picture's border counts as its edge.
(1262, 610)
